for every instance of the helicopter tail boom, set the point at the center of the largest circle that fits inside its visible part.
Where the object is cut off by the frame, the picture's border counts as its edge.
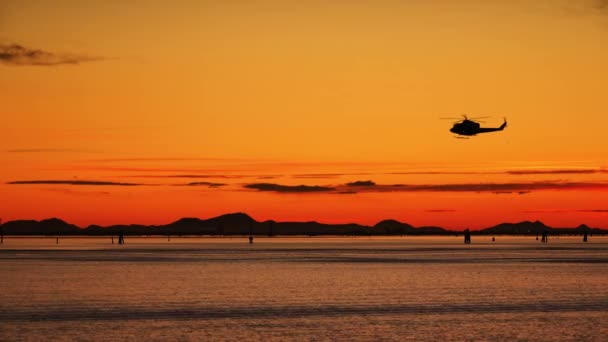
(487, 130)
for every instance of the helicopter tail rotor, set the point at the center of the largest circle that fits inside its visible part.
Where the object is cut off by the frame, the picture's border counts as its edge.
(504, 124)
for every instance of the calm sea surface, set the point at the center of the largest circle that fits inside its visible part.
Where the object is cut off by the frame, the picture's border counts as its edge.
(378, 289)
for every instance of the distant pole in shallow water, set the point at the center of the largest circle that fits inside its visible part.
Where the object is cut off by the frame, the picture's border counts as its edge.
(112, 239)
(251, 231)
(585, 236)
(1, 233)
(57, 241)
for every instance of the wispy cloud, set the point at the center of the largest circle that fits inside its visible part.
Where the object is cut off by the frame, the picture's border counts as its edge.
(330, 175)
(193, 176)
(78, 193)
(208, 184)
(432, 172)
(601, 5)
(161, 159)
(556, 171)
(15, 54)
(563, 211)
(288, 188)
(508, 172)
(493, 187)
(185, 171)
(361, 183)
(73, 182)
(318, 175)
(496, 188)
(511, 192)
(583, 7)
(45, 150)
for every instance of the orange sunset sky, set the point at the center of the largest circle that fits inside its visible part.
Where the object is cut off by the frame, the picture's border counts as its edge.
(148, 111)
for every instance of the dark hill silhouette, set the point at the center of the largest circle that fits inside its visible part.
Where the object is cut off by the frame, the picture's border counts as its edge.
(393, 227)
(315, 228)
(430, 230)
(31, 227)
(537, 227)
(525, 227)
(243, 224)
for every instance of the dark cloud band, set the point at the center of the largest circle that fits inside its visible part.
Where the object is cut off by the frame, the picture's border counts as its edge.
(73, 182)
(15, 54)
(208, 184)
(496, 188)
(288, 188)
(554, 172)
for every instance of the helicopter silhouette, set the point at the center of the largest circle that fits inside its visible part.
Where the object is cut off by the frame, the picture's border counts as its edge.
(469, 127)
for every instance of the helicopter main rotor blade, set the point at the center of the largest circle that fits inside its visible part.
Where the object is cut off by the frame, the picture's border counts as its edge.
(464, 117)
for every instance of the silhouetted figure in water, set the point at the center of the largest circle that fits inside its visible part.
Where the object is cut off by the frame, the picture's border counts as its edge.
(585, 236)
(250, 239)
(1, 233)
(493, 238)
(545, 237)
(467, 236)
(536, 236)
(121, 238)
(112, 239)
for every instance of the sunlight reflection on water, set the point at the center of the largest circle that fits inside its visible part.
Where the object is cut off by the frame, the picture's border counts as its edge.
(398, 288)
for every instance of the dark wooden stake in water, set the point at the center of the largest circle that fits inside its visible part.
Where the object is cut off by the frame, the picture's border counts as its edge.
(250, 232)
(1, 233)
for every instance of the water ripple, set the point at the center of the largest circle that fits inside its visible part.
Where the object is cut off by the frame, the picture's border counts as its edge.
(210, 313)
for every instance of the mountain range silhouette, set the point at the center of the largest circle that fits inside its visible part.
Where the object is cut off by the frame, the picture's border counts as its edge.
(243, 224)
